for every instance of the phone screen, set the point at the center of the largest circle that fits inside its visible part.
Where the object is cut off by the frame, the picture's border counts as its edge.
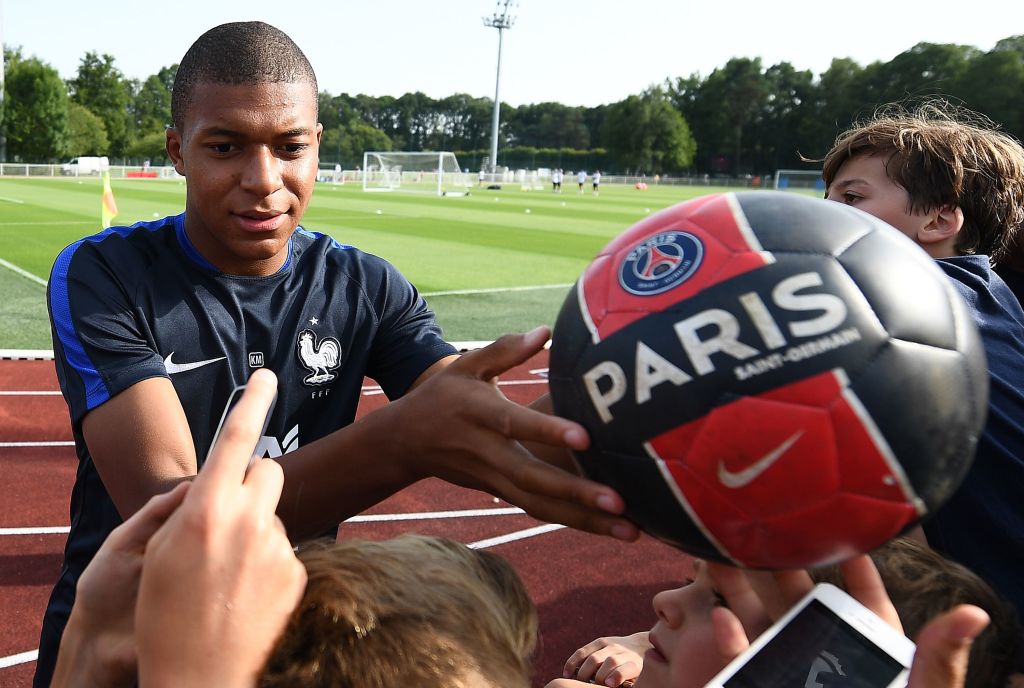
(233, 398)
(817, 649)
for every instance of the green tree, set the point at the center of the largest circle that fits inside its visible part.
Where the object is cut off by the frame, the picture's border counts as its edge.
(993, 83)
(102, 88)
(837, 102)
(921, 72)
(347, 142)
(152, 103)
(87, 133)
(740, 91)
(550, 125)
(646, 134)
(36, 111)
(152, 147)
(704, 119)
(775, 139)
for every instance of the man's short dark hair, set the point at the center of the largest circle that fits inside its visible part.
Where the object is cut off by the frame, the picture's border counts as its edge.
(239, 53)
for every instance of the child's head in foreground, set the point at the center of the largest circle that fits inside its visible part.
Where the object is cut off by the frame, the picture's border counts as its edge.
(411, 611)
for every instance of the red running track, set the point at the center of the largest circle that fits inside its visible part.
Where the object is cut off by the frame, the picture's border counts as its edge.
(584, 585)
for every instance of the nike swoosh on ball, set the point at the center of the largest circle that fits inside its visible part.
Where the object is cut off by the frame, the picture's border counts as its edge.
(744, 477)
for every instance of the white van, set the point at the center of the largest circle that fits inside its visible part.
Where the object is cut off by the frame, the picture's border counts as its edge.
(85, 165)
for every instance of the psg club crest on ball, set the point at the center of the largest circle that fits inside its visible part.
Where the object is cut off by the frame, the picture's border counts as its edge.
(658, 264)
(769, 379)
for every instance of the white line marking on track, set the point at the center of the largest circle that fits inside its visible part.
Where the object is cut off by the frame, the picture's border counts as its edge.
(44, 530)
(14, 660)
(29, 393)
(374, 390)
(424, 515)
(9, 445)
(362, 518)
(518, 535)
(47, 354)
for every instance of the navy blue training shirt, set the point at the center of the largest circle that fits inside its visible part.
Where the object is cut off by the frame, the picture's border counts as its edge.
(132, 303)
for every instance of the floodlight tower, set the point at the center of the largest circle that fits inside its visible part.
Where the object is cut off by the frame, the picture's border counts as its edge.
(500, 21)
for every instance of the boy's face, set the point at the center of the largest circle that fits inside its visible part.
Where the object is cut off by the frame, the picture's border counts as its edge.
(685, 652)
(250, 154)
(863, 183)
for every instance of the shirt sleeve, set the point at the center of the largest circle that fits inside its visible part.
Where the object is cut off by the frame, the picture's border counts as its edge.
(408, 339)
(100, 346)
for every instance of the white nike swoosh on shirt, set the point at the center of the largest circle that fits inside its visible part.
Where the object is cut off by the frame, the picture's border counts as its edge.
(747, 475)
(174, 368)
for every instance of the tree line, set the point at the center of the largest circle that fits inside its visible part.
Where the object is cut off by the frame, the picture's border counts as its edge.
(742, 118)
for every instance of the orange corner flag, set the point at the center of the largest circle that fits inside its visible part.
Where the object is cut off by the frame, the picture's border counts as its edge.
(109, 206)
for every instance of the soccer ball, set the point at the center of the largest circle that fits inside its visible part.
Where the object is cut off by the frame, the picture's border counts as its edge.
(770, 380)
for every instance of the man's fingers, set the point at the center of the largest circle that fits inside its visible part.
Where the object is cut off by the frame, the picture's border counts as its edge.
(544, 480)
(730, 638)
(944, 646)
(563, 498)
(502, 354)
(734, 586)
(135, 532)
(864, 584)
(229, 458)
(789, 588)
(526, 425)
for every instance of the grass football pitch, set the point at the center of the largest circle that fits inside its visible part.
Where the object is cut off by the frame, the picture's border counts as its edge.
(492, 262)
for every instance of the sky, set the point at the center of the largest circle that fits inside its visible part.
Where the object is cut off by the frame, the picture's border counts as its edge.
(569, 51)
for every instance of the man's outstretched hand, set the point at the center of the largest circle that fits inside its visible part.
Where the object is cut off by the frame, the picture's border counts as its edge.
(458, 426)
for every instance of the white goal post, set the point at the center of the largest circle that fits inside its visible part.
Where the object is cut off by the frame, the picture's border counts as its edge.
(435, 172)
(799, 179)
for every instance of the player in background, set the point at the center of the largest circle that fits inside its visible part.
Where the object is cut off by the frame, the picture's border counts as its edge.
(597, 182)
(956, 187)
(581, 179)
(155, 324)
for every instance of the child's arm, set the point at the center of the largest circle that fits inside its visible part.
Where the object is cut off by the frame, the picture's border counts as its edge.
(611, 660)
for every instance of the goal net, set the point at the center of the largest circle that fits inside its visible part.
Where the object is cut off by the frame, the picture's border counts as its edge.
(436, 172)
(802, 180)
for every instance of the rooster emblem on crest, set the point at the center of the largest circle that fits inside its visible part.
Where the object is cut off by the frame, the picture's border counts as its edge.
(320, 358)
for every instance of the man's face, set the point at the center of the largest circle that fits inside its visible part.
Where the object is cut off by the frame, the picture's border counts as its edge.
(685, 652)
(862, 182)
(250, 154)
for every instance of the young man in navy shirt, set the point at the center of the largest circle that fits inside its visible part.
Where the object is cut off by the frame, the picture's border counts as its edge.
(154, 325)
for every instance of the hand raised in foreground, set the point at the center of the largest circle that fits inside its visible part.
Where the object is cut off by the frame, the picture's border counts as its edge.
(98, 645)
(943, 645)
(458, 426)
(220, 579)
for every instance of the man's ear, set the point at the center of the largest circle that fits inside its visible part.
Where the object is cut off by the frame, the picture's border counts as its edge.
(173, 146)
(942, 228)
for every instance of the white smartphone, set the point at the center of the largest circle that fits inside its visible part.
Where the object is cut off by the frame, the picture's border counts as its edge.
(233, 398)
(827, 639)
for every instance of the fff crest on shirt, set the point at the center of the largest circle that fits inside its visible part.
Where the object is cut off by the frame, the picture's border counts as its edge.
(660, 263)
(319, 357)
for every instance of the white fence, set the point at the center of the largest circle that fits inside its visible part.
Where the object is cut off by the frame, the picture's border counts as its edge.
(327, 174)
(20, 169)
